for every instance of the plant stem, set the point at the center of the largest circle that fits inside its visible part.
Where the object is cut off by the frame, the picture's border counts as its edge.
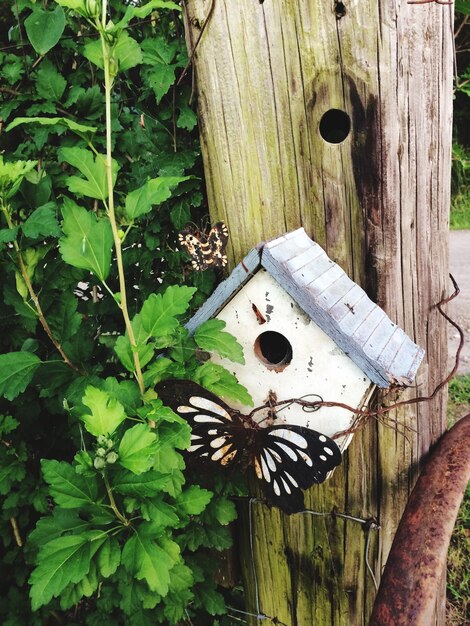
(108, 81)
(112, 502)
(34, 297)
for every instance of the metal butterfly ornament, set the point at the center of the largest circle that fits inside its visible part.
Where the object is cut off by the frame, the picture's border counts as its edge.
(284, 458)
(206, 250)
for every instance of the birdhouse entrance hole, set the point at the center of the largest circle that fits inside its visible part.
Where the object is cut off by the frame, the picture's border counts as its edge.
(273, 350)
(335, 126)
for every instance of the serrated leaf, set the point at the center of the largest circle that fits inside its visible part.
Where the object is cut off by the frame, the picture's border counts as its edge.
(93, 167)
(154, 192)
(8, 234)
(87, 242)
(180, 214)
(159, 310)
(159, 512)
(42, 222)
(187, 118)
(125, 352)
(106, 412)
(126, 392)
(61, 561)
(144, 559)
(221, 382)
(137, 448)
(50, 85)
(193, 500)
(212, 601)
(140, 485)
(224, 511)
(175, 481)
(45, 28)
(69, 489)
(210, 336)
(127, 52)
(16, 372)
(161, 78)
(63, 319)
(109, 557)
(76, 5)
(462, 6)
(52, 121)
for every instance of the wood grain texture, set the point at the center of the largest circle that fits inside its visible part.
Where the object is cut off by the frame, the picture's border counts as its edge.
(378, 203)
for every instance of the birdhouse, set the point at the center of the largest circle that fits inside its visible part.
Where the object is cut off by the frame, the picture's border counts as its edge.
(308, 331)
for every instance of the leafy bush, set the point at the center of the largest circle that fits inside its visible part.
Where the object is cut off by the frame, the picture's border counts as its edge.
(100, 169)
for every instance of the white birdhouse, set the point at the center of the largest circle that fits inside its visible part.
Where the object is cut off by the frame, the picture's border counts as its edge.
(307, 328)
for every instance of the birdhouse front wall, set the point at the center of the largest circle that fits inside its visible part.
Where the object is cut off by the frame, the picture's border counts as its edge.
(287, 354)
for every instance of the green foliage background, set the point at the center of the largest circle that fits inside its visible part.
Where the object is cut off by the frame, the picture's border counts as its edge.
(99, 524)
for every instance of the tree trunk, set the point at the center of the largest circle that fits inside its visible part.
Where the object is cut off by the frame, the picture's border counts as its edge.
(376, 197)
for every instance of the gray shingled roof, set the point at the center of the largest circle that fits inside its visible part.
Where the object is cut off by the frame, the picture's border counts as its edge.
(332, 300)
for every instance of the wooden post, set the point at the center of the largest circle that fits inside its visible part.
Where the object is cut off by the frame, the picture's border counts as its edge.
(336, 116)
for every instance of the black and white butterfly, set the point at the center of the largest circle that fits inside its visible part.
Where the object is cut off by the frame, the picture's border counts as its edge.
(284, 458)
(206, 250)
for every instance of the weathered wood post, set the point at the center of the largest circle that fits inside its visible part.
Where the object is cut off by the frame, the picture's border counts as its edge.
(336, 116)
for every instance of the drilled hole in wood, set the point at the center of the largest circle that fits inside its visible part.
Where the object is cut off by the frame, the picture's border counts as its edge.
(273, 350)
(335, 126)
(340, 10)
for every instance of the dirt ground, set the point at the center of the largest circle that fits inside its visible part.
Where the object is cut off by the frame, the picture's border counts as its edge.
(459, 309)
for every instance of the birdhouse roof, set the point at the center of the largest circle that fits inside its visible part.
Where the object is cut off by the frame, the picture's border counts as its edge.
(341, 308)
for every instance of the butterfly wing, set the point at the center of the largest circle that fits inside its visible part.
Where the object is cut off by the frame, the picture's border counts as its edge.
(290, 458)
(217, 242)
(194, 248)
(217, 433)
(285, 458)
(206, 250)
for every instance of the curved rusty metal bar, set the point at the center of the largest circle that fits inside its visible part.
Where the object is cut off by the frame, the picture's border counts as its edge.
(414, 569)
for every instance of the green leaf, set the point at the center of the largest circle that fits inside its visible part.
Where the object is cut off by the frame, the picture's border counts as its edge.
(87, 241)
(462, 6)
(158, 311)
(50, 85)
(125, 353)
(8, 234)
(109, 557)
(61, 561)
(221, 382)
(144, 485)
(210, 336)
(76, 5)
(148, 7)
(93, 51)
(63, 319)
(161, 78)
(212, 601)
(69, 489)
(146, 560)
(193, 500)
(106, 412)
(187, 118)
(224, 511)
(137, 448)
(127, 52)
(154, 192)
(52, 121)
(16, 372)
(94, 170)
(159, 512)
(42, 222)
(45, 28)
(159, 50)
(12, 175)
